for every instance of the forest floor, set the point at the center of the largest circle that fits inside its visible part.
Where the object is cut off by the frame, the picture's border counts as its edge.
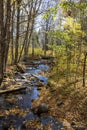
(67, 103)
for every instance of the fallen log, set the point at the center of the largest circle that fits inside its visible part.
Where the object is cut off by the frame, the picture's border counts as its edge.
(6, 91)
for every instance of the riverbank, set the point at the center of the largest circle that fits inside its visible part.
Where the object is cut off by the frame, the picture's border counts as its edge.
(67, 104)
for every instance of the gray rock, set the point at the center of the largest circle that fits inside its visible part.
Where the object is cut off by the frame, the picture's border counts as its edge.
(26, 83)
(42, 108)
(80, 128)
(23, 77)
(59, 103)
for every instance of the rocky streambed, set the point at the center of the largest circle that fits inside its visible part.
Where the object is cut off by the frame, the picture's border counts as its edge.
(16, 111)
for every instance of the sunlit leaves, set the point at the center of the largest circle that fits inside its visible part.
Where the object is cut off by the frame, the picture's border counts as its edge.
(51, 12)
(72, 25)
(81, 6)
(67, 5)
(54, 18)
(45, 16)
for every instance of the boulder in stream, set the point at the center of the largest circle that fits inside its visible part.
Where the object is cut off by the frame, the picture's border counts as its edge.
(42, 108)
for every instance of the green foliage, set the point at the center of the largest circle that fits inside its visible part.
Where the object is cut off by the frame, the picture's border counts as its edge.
(67, 5)
(53, 10)
(50, 13)
(81, 6)
(45, 16)
(66, 49)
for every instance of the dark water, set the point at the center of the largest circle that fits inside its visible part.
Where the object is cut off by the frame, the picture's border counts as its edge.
(24, 101)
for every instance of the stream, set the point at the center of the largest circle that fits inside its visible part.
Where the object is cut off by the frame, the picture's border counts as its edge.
(23, 100)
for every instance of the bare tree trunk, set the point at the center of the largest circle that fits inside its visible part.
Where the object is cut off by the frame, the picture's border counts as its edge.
(30, 24)
(84, 69)
(46, 36)
(24, 42)
(4, 36)
(45, 44)
(12, 37)
(34, 7)
(68, 62)
(24, 46)
(1, 42)
(33, 46)
(33, 11)
(7, 27)
(17, 33)
(28, 43)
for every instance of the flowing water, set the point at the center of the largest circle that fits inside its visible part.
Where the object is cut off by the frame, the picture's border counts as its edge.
(24, 101)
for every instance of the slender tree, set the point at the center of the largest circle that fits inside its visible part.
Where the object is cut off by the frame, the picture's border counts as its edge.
(17, 32)
(1, 42)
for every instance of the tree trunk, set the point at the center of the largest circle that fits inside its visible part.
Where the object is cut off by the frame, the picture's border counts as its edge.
(45, 44)
(28, 43)
(7, 29)
(1, 42)
(12, 38)
(46, 37)
(25, 40)
(24, 47)
(32, 46)
(17, 33)
(84, 69)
